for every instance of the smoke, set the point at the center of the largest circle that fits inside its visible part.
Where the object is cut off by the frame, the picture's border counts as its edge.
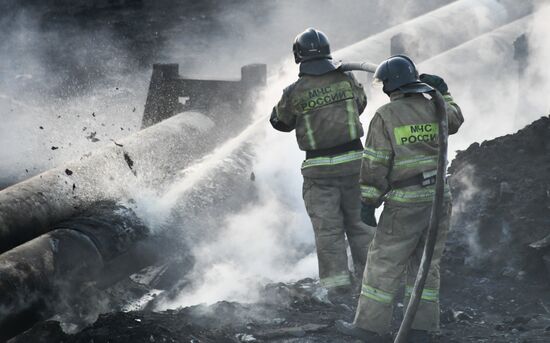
(245, 32)
(536, 85)
(469, 194)
(237, 250)
(64, 90)
(256, 246)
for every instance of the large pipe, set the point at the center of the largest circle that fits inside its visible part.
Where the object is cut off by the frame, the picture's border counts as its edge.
(480, 52)
(439, 30)
(489, 60)
(147, 158)
(46, 272)
(107, 243)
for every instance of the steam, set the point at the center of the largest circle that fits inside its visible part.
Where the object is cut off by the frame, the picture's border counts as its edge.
(470, 193)
(61, 95)
(538, 74)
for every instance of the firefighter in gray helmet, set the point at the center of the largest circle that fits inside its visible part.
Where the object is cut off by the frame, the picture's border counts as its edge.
(323, 107)
(398, 169)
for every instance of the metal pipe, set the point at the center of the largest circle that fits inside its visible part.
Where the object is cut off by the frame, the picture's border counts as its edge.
(440, 30)
(435, 217)
(104, 245)
(148, 158)
(489, 60)
(41, 276)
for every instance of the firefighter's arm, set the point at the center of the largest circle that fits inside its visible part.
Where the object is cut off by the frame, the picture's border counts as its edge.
(453, 110)
(454, 113)
(358, 92)
(282, 118)
(376, 163)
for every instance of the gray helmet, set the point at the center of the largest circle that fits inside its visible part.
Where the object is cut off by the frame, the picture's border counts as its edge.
(311, 45)
(399, 73)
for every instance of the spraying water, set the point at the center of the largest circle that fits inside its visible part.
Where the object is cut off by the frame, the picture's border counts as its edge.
(274, 227)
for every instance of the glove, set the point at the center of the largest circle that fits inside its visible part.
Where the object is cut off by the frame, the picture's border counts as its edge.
(436, 82)
(367, 214)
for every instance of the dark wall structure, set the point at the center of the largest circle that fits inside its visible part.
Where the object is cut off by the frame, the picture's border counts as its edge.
(206, 96)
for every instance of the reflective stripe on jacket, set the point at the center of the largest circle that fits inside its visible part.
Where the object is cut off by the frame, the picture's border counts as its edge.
(402, 143)
(324, 110)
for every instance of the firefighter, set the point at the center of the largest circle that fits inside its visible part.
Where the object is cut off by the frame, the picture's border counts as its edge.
(398, 169)
(323, 107)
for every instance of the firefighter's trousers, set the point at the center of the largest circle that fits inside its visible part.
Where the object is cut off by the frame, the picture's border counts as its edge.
(397, 250)
(334, 207)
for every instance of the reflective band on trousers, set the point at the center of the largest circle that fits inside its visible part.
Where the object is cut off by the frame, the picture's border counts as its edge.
(332, 160)
(428, 294)
(378, 156)
(336, 281)
(376, 294)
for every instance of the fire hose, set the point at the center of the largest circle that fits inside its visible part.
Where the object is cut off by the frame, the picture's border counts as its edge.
(437, 205)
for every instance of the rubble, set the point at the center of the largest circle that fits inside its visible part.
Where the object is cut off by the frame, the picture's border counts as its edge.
(501, 191)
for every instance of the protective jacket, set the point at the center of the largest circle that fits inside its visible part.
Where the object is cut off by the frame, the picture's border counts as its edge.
(324, 110)
(402, 144)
